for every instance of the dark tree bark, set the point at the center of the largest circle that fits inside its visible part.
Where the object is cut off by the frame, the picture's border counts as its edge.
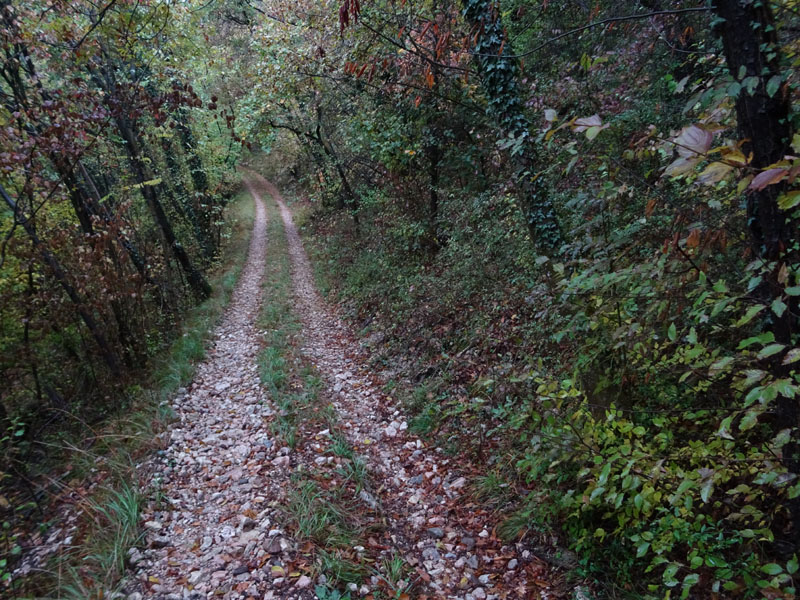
(200, 227)
(101, 211)
(749, 38)
(196, 280)
(348, 197)
(434, 154)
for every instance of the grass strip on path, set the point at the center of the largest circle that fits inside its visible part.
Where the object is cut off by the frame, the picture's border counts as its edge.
(325, 504)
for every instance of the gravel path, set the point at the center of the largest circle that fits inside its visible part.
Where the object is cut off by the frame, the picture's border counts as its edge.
(219, 530)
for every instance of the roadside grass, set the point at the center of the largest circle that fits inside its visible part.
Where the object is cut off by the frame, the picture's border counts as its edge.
(101, 465)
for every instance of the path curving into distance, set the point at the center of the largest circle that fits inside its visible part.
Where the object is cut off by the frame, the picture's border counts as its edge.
(215, 527)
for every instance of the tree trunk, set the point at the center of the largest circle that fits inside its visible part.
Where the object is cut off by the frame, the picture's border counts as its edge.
(201, 229)
(109, 356)
(434, 154)
(197, 282)
(750, 43)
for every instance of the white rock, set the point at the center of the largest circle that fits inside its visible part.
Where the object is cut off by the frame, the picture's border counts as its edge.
(458, 483)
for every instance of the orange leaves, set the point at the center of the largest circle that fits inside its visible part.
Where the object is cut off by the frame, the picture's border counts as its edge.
(693, 240)
(352, 68)
(429, 79)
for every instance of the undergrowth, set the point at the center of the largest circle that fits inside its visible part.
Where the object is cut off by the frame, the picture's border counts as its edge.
(635, 434)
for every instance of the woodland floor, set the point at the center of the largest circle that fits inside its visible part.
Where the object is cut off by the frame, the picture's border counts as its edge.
(220, 529)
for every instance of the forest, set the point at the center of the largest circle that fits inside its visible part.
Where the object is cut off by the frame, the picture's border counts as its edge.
(552, 276)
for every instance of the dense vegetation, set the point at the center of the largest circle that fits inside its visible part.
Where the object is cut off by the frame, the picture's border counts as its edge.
(115, 174)
(573, 226)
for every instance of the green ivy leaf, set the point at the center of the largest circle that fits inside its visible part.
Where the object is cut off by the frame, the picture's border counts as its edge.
(773, 85)
(772, 569)
(778, 307)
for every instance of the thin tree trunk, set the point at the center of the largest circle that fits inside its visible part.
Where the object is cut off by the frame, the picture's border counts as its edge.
(196, 280)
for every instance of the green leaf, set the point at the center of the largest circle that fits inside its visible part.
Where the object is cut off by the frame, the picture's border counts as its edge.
(791, 566)
(772, 569)
(715, 561)
(770, 350)
(773, 85)
(642, 549)
(748, 316)
(690, 580)
(778, 307)
(705, 491)
(789, 200)
(714, 173)
(762, 338)
(749, 420)
(592, 132)
(669, 575)
(793, 492)
(672, 332)
(720, 365)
